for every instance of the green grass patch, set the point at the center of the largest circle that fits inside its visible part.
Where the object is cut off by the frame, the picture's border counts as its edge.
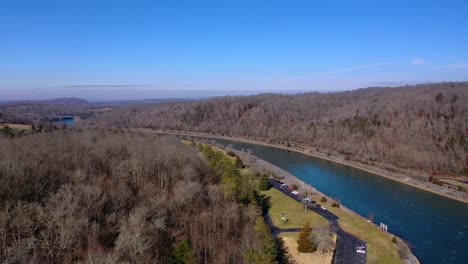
(379, 243)
(455, 182)
(17, 126)
(293, 210)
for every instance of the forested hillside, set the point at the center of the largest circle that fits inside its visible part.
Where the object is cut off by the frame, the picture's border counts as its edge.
(39, 112)
(422, 127)
(111, 197)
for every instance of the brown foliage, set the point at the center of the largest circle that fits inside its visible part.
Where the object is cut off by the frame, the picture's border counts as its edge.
(103, 197)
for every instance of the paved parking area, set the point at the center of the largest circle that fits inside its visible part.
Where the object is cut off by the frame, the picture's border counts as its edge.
(345, 252)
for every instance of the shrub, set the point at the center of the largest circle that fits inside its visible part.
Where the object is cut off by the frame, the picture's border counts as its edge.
(239, 163)
(464, 171)
(324, 199)
(294, 186)
(438, 182)
(335, 204)
(394, 239)
(230, 153)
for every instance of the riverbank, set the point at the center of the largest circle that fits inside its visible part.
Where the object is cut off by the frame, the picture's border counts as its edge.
(416, 180)
(381, 248)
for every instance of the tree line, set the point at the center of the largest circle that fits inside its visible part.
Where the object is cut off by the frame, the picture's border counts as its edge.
(102, 196)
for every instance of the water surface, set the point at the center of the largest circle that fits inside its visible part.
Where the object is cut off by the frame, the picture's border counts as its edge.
(68, 120)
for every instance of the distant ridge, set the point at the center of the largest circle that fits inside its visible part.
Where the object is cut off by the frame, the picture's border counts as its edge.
(74, 101)
(142, 101)
(69, 101)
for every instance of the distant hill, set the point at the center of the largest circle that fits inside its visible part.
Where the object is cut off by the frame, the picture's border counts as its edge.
(36, 111)
(71, 101)
(141, 101)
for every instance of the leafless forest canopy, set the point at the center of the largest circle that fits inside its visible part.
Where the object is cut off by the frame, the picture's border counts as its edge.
(106, 197)
(422, 127)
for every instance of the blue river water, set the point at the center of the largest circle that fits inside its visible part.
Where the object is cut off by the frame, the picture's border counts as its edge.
(69, 121)
(436, 227)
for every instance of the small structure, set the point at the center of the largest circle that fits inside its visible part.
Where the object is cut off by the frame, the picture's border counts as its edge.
(384, 227)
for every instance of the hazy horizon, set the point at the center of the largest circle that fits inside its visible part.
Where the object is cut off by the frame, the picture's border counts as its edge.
(149, 49)
(102, 93)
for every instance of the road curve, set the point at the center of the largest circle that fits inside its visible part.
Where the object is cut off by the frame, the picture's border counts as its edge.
(345, 251)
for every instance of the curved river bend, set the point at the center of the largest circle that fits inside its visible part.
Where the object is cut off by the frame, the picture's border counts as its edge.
(436, 227)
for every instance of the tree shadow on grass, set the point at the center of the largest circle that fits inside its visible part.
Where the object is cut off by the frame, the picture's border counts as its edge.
(283, 256)
(264, 202)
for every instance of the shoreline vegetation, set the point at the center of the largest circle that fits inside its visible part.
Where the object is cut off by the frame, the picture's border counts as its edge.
(397, 176)
(381, 247)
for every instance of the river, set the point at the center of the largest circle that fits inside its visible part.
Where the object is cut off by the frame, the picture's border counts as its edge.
(436, 227)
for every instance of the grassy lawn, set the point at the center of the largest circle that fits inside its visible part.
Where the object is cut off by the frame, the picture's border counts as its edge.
(455, 182)
(293, 211)
(379, 243)
(294, 235)
(17, 126)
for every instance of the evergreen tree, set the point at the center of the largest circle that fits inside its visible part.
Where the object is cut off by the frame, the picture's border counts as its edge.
(264, 183)
(305, 243)
(183, 254)
(267, 249)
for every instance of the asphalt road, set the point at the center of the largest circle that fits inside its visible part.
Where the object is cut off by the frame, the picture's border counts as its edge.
(345, 252)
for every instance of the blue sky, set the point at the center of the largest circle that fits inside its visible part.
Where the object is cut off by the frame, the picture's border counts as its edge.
(151, 48)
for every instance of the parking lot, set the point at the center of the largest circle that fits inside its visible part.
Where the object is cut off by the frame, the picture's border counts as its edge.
(347, 245)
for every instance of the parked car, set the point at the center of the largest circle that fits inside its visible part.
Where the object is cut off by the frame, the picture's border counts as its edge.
(361, 249)
(323, 207)
(284, 185)
(295, 192)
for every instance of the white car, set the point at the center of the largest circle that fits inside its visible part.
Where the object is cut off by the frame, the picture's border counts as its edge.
(323, 207)
(295, 192)
(361, 249)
